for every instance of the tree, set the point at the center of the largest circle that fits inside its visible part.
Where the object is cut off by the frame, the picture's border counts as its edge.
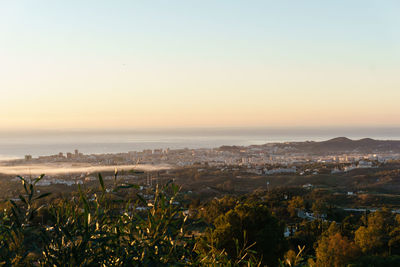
(308, 233)
(319, 208)
(217, 207)
(394, 242)
(374, 238)
(295, 204)
(335, 250)
(368, 239)
(255, 223)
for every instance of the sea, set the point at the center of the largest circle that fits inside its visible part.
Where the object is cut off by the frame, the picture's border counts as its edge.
(17, 144)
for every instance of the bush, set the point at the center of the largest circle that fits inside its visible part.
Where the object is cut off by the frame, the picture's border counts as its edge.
(101, 228)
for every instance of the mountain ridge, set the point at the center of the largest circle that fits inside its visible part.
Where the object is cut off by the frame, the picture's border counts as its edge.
(334, 145)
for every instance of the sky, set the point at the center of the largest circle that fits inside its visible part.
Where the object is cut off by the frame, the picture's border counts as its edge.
(132, 64)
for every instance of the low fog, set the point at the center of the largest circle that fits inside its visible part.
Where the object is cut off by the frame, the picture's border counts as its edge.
(54, 169)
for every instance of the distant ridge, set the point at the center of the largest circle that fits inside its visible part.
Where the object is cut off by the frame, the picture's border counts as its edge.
(340, 139)
(334, 146)
(344, 144)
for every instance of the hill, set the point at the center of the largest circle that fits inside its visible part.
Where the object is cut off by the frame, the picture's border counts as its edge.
(346, 145)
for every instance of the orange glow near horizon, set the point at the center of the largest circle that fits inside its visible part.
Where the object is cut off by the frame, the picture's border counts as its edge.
(188, 68)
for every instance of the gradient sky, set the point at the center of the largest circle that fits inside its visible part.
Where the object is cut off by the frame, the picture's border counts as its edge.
(126, 64)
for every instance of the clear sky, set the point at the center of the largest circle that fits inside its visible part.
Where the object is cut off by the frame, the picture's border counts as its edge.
(127, 64)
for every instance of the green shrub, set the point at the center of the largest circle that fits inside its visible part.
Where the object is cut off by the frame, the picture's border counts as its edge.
(103, 228)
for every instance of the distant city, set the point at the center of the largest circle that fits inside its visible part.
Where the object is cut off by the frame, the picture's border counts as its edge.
(267, 159)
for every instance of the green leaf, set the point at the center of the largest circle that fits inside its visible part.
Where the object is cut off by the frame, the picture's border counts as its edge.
(38, 179)
(32, 191)
(101, 182)
(22, 199)
(21, 178)
(43, 195)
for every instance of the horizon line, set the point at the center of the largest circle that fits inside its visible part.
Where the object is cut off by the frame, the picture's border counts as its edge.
(183, 128)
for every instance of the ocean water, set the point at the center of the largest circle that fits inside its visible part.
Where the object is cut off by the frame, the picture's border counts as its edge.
(36, 143)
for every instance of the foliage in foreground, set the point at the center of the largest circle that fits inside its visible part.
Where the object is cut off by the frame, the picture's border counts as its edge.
(104, 229)
(123, 225)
